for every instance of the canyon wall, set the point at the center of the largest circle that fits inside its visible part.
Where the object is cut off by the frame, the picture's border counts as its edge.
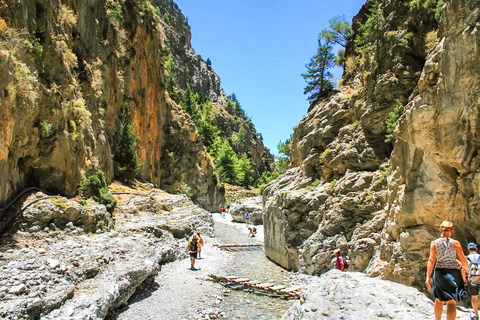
(381, 200)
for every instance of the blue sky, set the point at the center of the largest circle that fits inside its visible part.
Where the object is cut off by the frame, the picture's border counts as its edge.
(259, 48)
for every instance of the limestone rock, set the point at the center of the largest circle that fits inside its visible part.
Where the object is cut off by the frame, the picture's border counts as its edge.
(353, 295)
(252, 206)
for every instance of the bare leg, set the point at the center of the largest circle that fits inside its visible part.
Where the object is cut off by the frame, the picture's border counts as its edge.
(192, 262)
(438, 309)
(451, 309)
(475, 304)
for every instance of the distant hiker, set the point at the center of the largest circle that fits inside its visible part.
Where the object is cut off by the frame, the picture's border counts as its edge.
(253, 232)
(473, 259)
(339, 261)
(222, 210)
(247, 219)
(200, 240)
(447, 282)
(192, 248)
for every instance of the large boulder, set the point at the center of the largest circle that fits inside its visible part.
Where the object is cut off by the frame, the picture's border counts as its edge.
(252, 206)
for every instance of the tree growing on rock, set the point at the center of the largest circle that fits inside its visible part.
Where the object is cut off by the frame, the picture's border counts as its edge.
(318, 77)
(126, 155)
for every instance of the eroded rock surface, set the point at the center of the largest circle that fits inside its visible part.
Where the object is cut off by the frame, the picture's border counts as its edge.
(72, 274)
(353, 295)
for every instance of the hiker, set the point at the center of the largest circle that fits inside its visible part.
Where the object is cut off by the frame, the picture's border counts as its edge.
(200, 240)
(473, 259)
(339, 261)
(222, 210)
(252, 232)
(247, 219)
(192, 248)
(447, 282)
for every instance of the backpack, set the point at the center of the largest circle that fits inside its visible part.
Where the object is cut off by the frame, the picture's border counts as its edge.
(345, 263)
(193, 245)
(474, 268)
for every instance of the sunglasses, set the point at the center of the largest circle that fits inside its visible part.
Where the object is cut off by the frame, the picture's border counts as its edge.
(447, 229)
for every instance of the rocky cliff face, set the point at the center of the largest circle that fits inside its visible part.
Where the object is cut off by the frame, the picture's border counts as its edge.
(67, 68)
(347, 188)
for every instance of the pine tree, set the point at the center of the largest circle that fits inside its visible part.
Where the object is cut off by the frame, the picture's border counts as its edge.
(338, 31)
(369, 36)
(189, 104)
(283, 160)
(227, 164)
(126, 155)
(319, 79)
(245, 170)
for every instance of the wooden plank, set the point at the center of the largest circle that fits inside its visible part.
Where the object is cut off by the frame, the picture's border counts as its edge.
(230, 277)
(265, 285)
(253, 282)
(242, 280)
(290, 289)
(238, 245)
(277, 287)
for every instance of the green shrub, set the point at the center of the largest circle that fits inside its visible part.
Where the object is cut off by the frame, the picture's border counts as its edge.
(95, 187)
(392, 120)
(45, 129)
(325, 153)
(332, 184)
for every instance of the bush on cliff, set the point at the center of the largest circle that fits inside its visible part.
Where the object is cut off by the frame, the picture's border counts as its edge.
(95, 187)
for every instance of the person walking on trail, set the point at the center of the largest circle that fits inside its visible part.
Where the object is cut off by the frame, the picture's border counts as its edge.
(200, 240)
(473, 259)
(339, 261)
(447, 282)
(192, 249)
(247, 219)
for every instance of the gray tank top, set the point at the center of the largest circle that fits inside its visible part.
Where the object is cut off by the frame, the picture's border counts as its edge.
(446, 254)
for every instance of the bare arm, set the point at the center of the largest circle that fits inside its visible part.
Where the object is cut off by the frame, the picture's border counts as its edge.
(431, 263)
(460, 254)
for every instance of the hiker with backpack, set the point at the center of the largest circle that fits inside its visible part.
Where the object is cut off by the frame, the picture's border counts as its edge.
(447, 281)
(473, 259)
(192, 249)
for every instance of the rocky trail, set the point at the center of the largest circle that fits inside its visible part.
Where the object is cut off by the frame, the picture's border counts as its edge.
(179, 293)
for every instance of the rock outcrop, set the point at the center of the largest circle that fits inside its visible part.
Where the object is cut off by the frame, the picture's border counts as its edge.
(68, 273)
(252, 205)
(380, 200)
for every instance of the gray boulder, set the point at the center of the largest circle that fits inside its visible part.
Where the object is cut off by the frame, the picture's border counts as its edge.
(251, 205)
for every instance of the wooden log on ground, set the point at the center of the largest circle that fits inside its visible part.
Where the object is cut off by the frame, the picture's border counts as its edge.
(238, 245)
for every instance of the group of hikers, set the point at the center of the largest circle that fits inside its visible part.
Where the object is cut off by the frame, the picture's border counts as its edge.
(451, 274)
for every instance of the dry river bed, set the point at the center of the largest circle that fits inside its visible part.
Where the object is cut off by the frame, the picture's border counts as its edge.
(179, 293)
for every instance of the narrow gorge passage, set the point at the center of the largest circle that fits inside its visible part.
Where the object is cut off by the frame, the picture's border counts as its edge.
(182, 294)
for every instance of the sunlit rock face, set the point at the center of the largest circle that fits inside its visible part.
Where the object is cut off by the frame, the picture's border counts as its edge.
(435, 161)
(381, 202)
(66, 70)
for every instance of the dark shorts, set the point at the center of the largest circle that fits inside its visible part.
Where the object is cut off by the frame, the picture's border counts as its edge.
(473, 290)
(193, 255)
(448, 285)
